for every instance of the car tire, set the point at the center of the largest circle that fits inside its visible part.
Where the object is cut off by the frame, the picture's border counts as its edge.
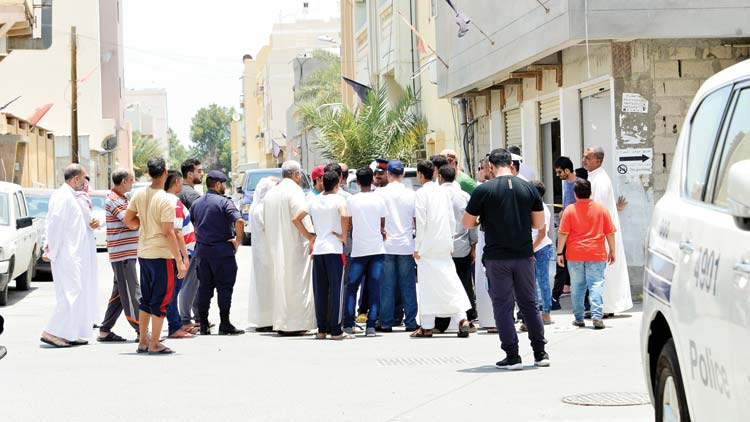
(247, 240)
(23, 281)
(669, 393)
(4, 296)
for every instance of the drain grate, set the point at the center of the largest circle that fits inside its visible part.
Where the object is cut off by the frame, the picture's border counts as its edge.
(608, 399)
(421, 361)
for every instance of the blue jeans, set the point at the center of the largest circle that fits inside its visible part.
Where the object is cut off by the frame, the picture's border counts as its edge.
(174, 320)
(543, 258)
(372, 266)
(400, 274)
(587, 274)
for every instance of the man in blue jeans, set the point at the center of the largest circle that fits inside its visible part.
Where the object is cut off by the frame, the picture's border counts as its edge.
(367, 218)
(584, 226)
(400, 270)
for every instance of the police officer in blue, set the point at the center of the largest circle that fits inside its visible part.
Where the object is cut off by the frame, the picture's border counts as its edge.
(213, 216)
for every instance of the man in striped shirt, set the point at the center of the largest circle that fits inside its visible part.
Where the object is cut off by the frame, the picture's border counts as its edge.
(122, 245)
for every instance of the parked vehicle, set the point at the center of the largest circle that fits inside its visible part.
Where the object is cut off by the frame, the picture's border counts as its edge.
(696, 306)
(410, 180)
(246, 191)
(98, 200)
(38, 202)
(19, 240)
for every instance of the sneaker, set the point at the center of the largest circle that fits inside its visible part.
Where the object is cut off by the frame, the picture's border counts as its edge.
(587, 315)
(541, 359)
(556, 305)
(370, 332)
(361, 318)
(598, 324)
(383, 330)
(511, 363)
(579, 324)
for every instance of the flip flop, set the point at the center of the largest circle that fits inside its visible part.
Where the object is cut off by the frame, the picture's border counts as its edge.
(110, 337)
(144, 350)
(420, 333)
(78, 343)
(164, 351)
(343, 337)
(60, 345)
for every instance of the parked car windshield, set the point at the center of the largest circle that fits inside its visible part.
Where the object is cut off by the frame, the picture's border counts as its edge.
(4, 211)
(38, 205)
(253, 178)
(98, 202)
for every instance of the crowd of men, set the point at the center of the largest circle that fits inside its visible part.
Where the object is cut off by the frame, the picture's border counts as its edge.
(454, 253)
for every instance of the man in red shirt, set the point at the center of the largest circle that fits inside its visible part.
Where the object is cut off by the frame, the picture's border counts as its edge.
(583, 228)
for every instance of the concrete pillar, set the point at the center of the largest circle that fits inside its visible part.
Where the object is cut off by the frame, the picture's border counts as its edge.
(530, 135)
(497, 124)
(570, 125)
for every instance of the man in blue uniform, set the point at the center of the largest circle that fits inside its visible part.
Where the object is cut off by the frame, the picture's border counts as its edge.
(213, 216)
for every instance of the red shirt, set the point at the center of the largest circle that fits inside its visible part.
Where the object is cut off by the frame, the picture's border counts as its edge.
(587, 224)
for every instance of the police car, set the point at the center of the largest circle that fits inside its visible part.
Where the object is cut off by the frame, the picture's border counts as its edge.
(696, 309)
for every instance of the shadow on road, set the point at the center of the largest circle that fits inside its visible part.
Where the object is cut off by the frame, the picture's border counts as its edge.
(43, 276)
(492, 369)
(15, 296)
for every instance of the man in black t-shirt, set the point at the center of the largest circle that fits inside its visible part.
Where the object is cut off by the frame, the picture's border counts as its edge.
(508, 208)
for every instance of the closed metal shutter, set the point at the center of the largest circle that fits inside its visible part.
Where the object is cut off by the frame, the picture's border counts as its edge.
(513, 127)
(594, 89)
(549, 110)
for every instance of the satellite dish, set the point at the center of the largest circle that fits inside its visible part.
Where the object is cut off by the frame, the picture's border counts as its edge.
(236, 117)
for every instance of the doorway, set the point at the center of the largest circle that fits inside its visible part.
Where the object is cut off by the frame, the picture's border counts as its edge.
(550, 140)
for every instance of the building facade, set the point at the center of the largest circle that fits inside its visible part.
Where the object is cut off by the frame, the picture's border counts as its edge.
(556, 78)
(146, 112)
(43, 77)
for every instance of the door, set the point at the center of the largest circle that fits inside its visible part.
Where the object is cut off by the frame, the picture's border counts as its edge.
(596, 119)
(700, 291)
(734, 259)
(24, 246)
(513, 127)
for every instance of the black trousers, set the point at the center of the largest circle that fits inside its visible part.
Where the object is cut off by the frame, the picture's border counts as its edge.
(218, 273)
(464, 270)
(562, 278)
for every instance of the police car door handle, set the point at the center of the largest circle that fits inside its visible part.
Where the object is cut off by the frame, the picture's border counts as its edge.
(742, 266)
(687, 247)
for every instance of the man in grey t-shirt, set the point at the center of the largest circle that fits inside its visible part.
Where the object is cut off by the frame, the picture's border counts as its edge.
(192, 174)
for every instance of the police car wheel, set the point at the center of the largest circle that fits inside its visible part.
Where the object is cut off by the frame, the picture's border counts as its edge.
(670, 403)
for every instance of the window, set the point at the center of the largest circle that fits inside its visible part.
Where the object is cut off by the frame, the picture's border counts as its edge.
(703, 132)
(22, 205)
(737, 145)
(4, 210)
(18, 206)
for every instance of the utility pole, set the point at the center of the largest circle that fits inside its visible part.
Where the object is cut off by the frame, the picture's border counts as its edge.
(74, 94)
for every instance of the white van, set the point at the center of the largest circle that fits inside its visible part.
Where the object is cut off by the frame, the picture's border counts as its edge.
(696, 308)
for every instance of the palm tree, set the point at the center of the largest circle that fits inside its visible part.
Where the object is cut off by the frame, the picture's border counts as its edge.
(374, 129)
(144, 148)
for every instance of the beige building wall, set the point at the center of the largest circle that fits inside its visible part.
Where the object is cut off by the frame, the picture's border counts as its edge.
(146, 110)
(43, 76)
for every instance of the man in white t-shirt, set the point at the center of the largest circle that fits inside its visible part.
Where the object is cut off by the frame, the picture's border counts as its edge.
(367, 216)
(399, 270)
(543, 251)
(330, 218)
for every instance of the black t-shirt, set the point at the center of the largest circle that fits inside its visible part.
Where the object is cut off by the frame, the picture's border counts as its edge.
(504, 206)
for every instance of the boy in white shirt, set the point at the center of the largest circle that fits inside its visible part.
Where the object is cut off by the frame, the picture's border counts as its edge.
(543, 250)
(329, 216)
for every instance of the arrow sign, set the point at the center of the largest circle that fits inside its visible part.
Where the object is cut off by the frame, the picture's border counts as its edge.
(642, 158)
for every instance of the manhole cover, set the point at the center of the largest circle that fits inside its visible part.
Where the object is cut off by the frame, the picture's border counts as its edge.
(421, 361)
(608, 399)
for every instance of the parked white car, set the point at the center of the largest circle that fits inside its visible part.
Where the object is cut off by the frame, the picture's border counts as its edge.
(696, 306)
(19, 240)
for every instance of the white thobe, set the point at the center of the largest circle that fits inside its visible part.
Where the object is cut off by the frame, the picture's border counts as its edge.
(616, 295)
(71, 249)
(439, 288)
(260, 313)
(485, 313)
(293, 304)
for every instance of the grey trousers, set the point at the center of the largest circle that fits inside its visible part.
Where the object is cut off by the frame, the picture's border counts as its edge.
(126, 296)
(187, 298)
(514, 281)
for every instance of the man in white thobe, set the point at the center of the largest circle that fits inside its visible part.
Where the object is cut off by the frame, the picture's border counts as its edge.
(67, 249)
(440, 291)
(616, 294)
(260, 311)
(293, 305)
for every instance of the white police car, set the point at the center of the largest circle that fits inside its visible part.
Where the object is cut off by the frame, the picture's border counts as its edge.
(696, 308)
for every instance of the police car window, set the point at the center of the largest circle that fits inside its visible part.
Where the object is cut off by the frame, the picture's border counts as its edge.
(704, 128)
(737, 145)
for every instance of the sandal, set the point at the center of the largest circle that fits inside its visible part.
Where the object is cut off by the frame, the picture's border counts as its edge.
(464, 328)
(321, 336)
(144, 350)
(78, 342)
(164, 351)
(342, 336)
(55, 342)
(110, 337)
(180, 334)
(420, 333)
(492, 330)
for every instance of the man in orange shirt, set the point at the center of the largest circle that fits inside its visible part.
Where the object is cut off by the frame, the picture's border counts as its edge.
(583, 228)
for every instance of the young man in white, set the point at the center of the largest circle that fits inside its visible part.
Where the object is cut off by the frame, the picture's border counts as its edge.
(440, 290)
(367, 215)
(329, 216)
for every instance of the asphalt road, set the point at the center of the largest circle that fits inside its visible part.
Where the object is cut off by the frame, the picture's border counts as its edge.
(264, 377)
